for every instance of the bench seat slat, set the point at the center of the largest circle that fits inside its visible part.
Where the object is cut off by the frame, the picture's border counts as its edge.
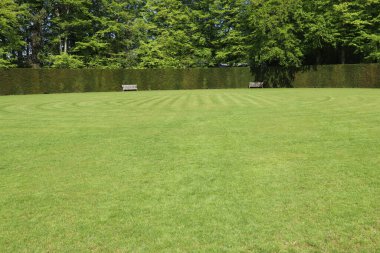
(256, 85)
(127, 87)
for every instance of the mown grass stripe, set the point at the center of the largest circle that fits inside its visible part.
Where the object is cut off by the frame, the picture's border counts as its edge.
(175, 170)
(174, 101)
(250, 100)
(222, 98)
(145, 102)
(157, 102)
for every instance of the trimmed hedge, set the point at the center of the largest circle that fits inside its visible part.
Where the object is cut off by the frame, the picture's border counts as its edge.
(33, 81)
(340, 76)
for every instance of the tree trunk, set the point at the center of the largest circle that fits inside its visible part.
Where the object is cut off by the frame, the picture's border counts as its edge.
(342, 56)
(318, 57)
(28, 52)
(60, 45)
(36, 43)
(65, 40)
(65, 46)
(35, 48)
(20, 58)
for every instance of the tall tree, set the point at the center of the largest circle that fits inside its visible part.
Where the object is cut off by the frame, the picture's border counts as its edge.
(169, 36)
(10, 32)
(188, 33)
(99, 33)
(349, 25)
(227, 40)
(274, 40)
(367, 43)
(317, 31)
(35, 29)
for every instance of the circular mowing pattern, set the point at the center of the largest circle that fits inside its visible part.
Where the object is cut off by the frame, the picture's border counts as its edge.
(68, 103)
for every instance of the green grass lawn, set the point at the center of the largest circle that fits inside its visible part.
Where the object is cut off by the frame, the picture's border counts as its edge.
(263, 170)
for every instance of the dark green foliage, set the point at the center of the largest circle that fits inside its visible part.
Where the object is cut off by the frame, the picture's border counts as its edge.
(10, 35)
(64, 61)
(114, 34)
(291, 34)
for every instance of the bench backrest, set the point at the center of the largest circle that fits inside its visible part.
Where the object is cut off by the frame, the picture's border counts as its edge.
(256, 84)
(129, 86)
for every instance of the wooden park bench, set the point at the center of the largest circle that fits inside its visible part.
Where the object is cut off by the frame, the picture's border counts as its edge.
(129, 87)
(256, 85)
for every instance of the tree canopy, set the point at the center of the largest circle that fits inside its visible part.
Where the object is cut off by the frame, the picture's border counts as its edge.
(187, 33)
